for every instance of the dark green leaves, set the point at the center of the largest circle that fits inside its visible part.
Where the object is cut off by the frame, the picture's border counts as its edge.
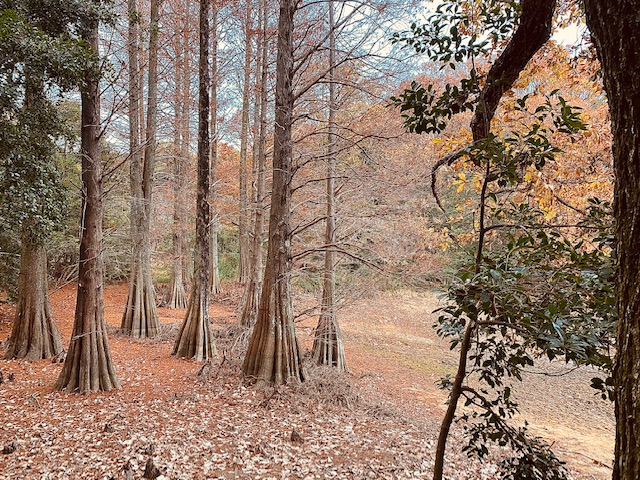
(441, 38)
(429, 110)
(27, 50)
(41, 58)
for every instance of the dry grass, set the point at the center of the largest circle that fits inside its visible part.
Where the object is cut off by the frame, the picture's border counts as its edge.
(325, 386)
(168, 334)
(232, 341)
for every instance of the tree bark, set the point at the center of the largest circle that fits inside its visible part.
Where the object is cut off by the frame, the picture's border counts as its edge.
(273, 355)
(534, 29)
(88, 367)
(187, 257)
(178, 298)
(243, 215)
(615, 29)
(179, 271)
(34, 335)
(328, 348)
(252, 289)
(140, 318)
(215, 271)
(195, 340)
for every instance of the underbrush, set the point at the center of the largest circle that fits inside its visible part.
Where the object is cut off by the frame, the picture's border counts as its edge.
(323, 386)
(168, 333)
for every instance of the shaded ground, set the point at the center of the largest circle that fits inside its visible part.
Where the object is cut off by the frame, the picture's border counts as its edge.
(382, 425)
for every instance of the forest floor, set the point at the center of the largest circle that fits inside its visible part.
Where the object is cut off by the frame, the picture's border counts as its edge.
(379, 421)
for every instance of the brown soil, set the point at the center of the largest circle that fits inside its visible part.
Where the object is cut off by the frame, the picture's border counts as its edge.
(380, 421)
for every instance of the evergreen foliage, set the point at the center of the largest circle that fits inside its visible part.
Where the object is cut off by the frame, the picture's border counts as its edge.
(530, 288)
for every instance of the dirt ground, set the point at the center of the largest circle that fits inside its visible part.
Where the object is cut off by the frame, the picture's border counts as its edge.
(378, 421)
(559, 406)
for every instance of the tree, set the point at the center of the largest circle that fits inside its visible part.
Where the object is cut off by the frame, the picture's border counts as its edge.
(140, 317)
(502, 311)
(30, 167)
(533, 31)
(250, 294)
(273, 354)
(182, 102)
(214, 281)
(40, 59)
(88, 366)
(328, 348)
(243, 217)
(195, 340)
(615, 29)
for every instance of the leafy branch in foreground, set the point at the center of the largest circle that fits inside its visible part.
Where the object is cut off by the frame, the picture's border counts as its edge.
(529, 288)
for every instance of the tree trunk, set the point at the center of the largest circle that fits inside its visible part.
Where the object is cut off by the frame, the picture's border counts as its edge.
(454, 397)
(195, 340)
(615, 28)
(243, 215)
(140, 318)
(178, 298)
(34, 335)
(252, 289)
(328, 348)
(88, 366)
(273, 355)
(187, 257)
(215, 271)
(181, 161)
(533, 31)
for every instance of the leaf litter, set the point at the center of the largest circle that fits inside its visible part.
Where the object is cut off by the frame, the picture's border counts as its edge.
(177, 419)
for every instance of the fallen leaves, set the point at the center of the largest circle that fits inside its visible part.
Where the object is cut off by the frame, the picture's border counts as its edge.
(357, 426)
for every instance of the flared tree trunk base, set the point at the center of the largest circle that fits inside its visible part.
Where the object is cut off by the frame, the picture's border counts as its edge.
(214, 279)
(34, 335)
(195, 340)
(178, 294)
(88, 367)
(273, 356)
(140, 318)
(216, 287)
(328, 348)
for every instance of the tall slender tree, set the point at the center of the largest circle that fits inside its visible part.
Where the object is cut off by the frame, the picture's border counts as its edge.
(328, 348)
(214, 282)
(182, 100)
(273, 355)
(88, 366)
(195, 340)
(243, 215)
(252, 289)
(140, 318)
